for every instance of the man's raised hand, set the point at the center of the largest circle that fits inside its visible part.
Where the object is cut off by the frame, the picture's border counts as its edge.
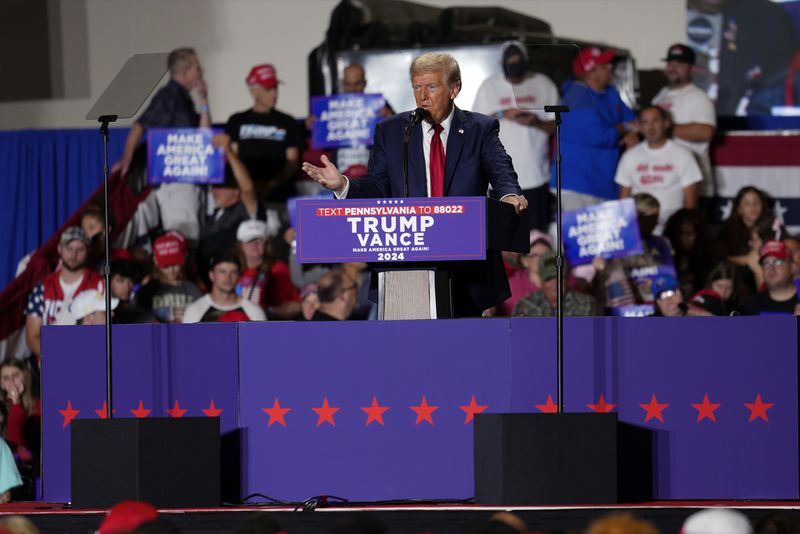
(327, 176)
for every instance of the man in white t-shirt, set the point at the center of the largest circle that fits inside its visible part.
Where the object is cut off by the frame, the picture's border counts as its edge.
(516, 98)
(692, 113)
(660, 167)
(223, 304)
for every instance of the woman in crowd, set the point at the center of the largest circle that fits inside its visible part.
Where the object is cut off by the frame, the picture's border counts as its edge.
(265, 281)
(23, 423)
(750, 208)
(688, 234)
(526, 280)
(725, 281)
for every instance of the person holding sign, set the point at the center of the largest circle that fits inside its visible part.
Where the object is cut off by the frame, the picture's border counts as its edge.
(267, 140)
(450, 153)
(660, 167)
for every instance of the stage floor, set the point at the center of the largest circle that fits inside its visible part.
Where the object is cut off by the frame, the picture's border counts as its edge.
(400, 518)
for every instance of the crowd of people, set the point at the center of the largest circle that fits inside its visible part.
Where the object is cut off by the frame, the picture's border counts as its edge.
(226, 252)
(138, 517)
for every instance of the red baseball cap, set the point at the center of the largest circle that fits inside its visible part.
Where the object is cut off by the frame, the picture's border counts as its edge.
(168, 250)
(589, 58)
(776, 249)
(263, 75)
(127, 516)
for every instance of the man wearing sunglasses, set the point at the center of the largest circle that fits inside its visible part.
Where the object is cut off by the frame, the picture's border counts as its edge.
(780, 295)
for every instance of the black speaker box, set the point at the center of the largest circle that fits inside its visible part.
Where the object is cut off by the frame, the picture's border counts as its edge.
(170, 463)
(538, 458)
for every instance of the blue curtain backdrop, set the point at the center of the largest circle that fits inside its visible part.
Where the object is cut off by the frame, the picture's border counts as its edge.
(45, 175)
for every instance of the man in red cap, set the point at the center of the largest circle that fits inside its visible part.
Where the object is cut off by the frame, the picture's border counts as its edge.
(167, 295)
(780, 296)
(593, 131)
(268, 141)
(127, 516)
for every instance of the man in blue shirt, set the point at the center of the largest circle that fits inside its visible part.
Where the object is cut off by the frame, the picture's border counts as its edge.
(598, 124)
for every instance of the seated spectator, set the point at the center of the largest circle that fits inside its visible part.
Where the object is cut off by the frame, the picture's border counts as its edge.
(222, 303)
(660, 167)
(627, 281)
(793, 244)
(167, 295)
(265, 280)
(717, 521)
(543, 302)
(234, 202)
(780, 295)
(526, 280)
(126, 516)
(750, 207)
(9, 474)
(90, 307)
(668, 297)
(48, 303)
(688, 234)
(724, 281)
(123, 279)
(364, 308)
(337, 297)
(309, 301)
(621, 523)
(24, 409)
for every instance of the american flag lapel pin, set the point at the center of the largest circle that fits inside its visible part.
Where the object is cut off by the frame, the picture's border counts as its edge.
(461, 130)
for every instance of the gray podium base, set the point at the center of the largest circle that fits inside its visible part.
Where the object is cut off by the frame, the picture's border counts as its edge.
(407, 294)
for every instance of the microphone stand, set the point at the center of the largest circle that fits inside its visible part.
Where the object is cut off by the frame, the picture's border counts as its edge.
(104, 120)
(558, 110)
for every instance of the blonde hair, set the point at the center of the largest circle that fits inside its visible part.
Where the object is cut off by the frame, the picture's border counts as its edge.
(17, 524)
(433, 62)
(621, 523)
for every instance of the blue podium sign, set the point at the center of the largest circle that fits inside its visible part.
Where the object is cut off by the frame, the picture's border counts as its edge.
(396, 229)
(345, 120)
(184, 155)
(610, 230)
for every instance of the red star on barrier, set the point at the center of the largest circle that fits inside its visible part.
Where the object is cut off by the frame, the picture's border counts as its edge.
(602, 406)
(212, 410)
(374, 412)
(141, 412)
(102, 413)
(424, 411)
(758, 408)
(176, 411)
(69, 414)
(654, 409)
(325, 413)
(276, 413)
(472, 408)
(705, 409)
(549, 406)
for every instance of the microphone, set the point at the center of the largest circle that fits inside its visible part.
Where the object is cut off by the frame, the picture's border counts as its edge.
(417, 116)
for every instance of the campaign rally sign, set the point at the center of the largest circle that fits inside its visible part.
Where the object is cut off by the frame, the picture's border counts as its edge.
(391, 229)
(610, 230)
(184, 155)
(345, 120)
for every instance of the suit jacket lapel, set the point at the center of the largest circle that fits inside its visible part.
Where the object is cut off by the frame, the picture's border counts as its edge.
(417, 178)
(455, 141)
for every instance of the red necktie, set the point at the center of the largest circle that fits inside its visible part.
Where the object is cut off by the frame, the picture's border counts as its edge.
(437, 162)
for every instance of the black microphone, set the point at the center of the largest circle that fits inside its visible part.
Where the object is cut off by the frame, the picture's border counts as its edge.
(417, 116)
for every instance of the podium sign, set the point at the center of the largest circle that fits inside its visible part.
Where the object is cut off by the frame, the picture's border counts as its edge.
(391, 230)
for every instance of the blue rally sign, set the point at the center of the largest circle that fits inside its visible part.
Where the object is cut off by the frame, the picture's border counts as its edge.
(184, 155)
(345, 120)
(610, 230)
(391, 229)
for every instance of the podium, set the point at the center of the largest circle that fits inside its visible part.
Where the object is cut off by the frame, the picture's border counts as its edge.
(413, 244)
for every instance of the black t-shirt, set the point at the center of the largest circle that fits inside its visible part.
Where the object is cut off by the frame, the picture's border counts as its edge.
(762, 304)
(263, 139)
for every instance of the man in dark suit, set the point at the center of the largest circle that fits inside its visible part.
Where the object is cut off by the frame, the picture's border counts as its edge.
(451, 153)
